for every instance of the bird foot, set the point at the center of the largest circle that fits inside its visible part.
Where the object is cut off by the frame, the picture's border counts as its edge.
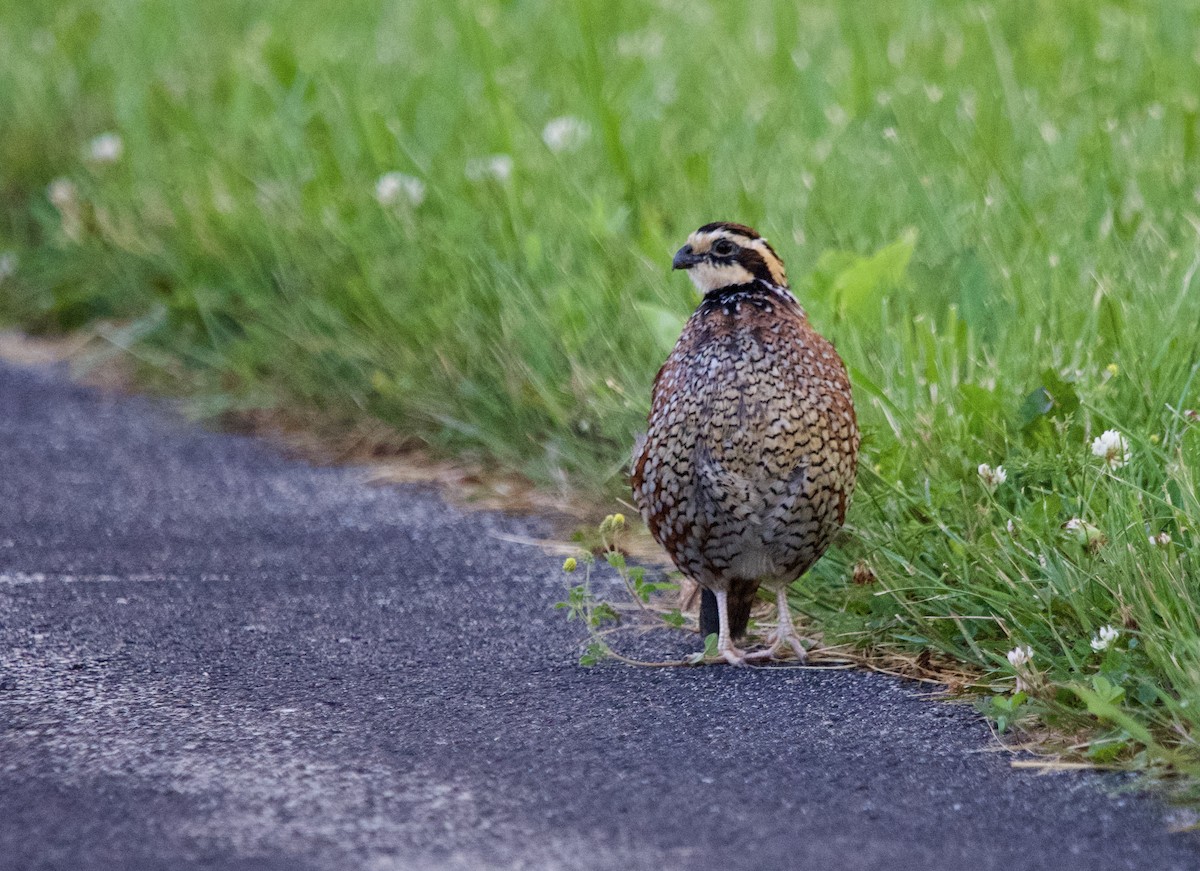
(782, 636)
(733, 655)
(777, 642)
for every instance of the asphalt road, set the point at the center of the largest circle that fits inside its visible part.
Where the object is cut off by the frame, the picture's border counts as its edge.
(212, 656)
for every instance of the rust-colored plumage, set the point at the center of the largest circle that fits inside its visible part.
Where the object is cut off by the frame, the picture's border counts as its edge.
(748, 463)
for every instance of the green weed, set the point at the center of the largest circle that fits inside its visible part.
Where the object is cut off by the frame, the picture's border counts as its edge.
(602, 618)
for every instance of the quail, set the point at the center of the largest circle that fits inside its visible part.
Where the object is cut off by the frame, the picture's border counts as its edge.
(748, 463)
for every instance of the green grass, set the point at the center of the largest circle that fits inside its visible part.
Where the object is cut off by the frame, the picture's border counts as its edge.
(992, 209)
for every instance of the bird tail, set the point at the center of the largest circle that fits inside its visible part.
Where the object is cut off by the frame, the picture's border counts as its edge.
(740, 601)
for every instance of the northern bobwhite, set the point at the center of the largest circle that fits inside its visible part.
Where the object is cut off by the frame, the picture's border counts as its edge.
(749, 459)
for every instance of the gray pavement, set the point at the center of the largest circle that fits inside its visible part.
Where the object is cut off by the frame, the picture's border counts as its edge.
(212, 656)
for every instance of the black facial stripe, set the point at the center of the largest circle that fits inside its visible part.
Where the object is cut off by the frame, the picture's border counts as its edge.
(755, 264)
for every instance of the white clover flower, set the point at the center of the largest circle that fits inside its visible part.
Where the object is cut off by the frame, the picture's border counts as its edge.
(62, 193)
(65, 197)
(1161, 540)
(890, 134)
(836, 115)
(392, 186)
(8, 265)
(565, 134)
(646, 45)
(1019, 657)
(106, 148)
(1111, 447)
(494, 166)
(992, 478)
(1104, 638)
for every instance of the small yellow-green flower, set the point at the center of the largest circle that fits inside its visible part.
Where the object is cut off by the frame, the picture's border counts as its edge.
(569, 565)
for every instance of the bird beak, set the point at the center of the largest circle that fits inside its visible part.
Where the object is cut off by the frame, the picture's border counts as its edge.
(685, 258)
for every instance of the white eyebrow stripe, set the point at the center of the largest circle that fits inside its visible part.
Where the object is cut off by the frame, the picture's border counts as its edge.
(701, 242)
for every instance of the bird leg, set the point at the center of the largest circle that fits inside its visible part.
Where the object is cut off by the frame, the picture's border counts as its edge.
(725, 647)
(784, 633)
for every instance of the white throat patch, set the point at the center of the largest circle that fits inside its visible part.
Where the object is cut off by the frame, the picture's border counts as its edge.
(713, 276)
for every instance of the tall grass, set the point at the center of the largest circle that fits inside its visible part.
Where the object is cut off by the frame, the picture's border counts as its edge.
(992, 208)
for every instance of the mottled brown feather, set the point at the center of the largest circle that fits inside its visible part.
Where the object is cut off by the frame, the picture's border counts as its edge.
(750, 453)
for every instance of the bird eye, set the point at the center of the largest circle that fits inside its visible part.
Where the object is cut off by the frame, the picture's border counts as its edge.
(723, 247)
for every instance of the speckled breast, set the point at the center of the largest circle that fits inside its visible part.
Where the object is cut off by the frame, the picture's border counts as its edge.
(749, 458)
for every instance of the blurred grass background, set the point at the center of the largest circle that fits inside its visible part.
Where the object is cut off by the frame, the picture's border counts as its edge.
(457, 219)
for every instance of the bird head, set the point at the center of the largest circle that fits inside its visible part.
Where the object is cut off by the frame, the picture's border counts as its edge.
(726, 255)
